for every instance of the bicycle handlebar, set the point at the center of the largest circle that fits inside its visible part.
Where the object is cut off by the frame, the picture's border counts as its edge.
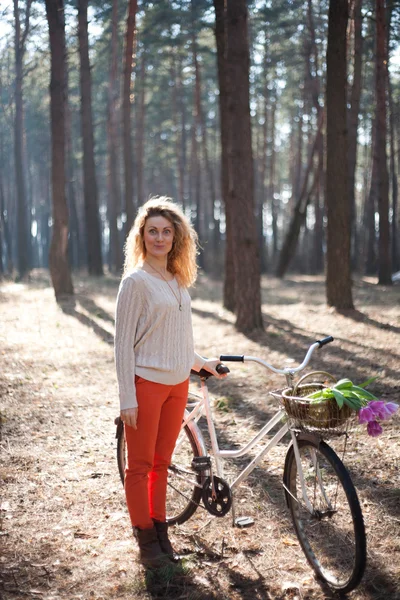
(242, 358)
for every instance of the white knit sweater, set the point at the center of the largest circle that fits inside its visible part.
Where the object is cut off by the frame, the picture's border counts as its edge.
(153, 338)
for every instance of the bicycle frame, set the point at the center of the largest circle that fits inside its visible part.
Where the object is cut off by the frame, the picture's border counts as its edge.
(218, 454)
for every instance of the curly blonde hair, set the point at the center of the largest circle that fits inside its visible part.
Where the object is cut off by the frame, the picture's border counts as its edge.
(181, 259)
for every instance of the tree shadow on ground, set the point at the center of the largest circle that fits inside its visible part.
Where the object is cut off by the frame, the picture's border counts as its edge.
(69, 306)
(88, 304)
(294, 342)
(357, 315)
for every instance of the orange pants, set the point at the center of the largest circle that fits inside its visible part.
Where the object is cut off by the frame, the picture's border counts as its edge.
(150, 448)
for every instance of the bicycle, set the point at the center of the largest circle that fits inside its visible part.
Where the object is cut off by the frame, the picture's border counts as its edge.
(318, 489)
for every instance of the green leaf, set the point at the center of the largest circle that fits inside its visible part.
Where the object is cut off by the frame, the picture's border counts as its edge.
(363, 393)
(315, 395)
(362, 385)
(353, 402)
(340, 399)
(343, 384)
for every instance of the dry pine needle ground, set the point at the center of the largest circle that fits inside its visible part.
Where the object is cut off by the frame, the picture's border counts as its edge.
(64, 526)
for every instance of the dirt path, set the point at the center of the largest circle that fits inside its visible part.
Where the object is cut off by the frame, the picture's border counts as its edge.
(64, 526)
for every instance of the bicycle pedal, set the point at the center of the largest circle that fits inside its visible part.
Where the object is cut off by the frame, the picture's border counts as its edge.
(201, 463)
(244, 522)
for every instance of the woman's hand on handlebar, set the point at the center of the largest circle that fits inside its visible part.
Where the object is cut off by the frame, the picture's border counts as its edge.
(211, 365)
(129, 417)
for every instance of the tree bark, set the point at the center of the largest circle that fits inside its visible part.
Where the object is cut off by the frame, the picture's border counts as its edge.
(140, 121)
(208, 226)
(300, 209)
(220, 36)
(271, 180)
(58, 256)
(384, 261)
(352, 120)
(92, 218)
(23, 229)
(114, 198)
(175, 94)
(126, 112)
(393, 177)
(338, 278)
(240, 169)
(262, 164)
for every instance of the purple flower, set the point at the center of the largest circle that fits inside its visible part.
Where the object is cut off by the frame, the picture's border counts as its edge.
(366, 415)
(378, 408)
(374, 429)
(390, 409)
(382, 410)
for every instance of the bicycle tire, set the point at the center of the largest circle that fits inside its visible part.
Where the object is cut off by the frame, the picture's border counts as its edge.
(333, 536)
(184, 489)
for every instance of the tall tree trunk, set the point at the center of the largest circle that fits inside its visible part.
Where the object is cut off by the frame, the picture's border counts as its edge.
(271, 180)
(58, 257)
(140, 121)
(352, 120)
(76, 256)
(220, 35)
(300, 208)
(338, 278)
(126, 112)
(384, 262)
(317, 257)
(195, 167)
(92, 217)
(6, 259)
(240, 169)
(209, 226)
(4, 213)
(393, 177)
(175, 93)
(369, 235)
(263, 167)
(114, 198)
(23, 229)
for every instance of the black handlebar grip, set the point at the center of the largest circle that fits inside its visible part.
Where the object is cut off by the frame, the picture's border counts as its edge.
(324, 341)
(222, 369)
(231, 358)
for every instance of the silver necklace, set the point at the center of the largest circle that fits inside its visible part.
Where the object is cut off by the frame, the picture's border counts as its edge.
(179, 300)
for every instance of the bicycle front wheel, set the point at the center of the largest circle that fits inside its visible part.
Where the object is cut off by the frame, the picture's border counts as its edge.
(330, 528)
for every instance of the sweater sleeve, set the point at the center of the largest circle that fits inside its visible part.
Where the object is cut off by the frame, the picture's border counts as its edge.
(199, 362)
(128, 310)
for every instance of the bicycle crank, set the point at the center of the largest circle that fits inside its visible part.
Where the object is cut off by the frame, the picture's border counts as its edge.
(217, 496)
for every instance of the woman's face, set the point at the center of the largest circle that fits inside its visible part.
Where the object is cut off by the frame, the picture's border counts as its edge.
(158, 236)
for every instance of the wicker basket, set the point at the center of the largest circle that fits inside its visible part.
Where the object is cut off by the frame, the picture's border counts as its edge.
(306, 414)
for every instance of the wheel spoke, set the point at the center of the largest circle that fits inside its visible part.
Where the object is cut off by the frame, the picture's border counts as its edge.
(331, 534)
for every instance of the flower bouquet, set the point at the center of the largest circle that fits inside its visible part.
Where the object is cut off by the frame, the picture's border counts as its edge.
(346, 394)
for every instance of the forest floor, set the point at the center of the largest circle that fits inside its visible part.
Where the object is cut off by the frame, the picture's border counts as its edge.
(65, 531)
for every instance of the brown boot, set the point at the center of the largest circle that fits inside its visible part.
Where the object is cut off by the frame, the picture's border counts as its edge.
(151, 555)
(165, 543)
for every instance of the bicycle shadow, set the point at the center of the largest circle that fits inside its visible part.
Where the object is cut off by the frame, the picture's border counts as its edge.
(251, 578)
(196, 584)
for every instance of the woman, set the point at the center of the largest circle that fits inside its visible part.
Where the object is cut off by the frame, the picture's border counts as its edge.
(154, 355)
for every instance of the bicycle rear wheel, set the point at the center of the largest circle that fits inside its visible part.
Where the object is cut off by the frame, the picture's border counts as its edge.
(184, 485)
(331, 533)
